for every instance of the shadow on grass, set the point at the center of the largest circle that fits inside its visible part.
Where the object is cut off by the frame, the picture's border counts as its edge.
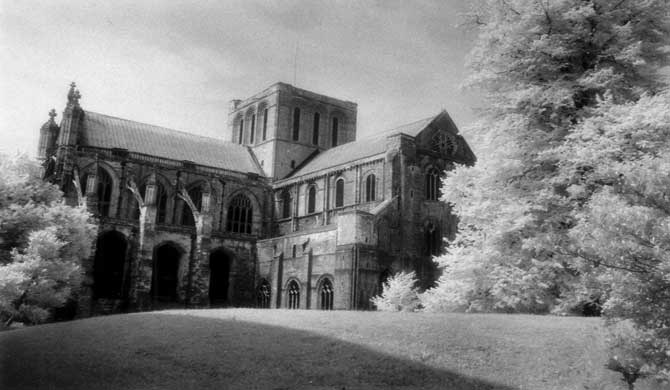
(165, 351)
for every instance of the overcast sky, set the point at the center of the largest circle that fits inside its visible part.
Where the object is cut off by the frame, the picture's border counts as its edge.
(178, 64)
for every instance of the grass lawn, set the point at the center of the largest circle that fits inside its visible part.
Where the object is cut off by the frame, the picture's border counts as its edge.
(281, 349)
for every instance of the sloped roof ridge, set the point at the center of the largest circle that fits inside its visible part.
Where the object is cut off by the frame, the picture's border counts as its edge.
(359, 149)
(165, 129)
(400, 128)
(106, 131)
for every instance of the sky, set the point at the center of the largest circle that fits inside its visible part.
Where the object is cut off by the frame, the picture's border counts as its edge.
(178, 64)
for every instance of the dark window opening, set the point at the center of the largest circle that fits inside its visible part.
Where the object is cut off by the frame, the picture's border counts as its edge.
(286, 204)
(339, 193)
(335, 129)
(240, 213)
(241, 132)
(315, 130)
(294, 251)
(103, 191)
(311, 200)
(296, 124)
(265, 124)
(161, 203)
(252, 129)
(370, 187)
(433, 184)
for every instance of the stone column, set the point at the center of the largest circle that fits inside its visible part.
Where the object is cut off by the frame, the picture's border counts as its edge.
(357, 186)
(142, 268)
(278, 282)
(308, 283)
(198, 285)
(326, 200)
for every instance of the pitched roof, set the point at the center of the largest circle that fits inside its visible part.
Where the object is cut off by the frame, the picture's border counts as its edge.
(105, 131)
(358, 150)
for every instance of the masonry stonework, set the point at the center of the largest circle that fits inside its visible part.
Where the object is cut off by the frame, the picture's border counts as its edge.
(290, 210)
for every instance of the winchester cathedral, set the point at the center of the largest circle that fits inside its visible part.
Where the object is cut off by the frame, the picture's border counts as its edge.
(287, 209)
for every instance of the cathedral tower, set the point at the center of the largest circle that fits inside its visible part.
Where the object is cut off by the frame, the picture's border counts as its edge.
(285, 125)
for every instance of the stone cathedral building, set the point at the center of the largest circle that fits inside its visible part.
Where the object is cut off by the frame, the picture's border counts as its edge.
(288, 209)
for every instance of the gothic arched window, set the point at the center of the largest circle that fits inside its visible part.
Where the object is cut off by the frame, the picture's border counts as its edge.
(252, 129)
(286, 204)
(326, 295)
(370, 187)
(315, 130)
(103, 190)
(296, 124)
(339, 193)
(433, 184)
(161, 203)
(311, 199)
(335, 129)
(240, 132)
(240, 215)
(265, 124)
(264, 294)
(293, 295)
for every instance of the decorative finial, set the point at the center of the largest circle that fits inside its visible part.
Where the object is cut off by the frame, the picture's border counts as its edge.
(52, 114)
(73, 95)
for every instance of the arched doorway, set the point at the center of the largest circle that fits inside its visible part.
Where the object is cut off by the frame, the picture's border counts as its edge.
(166, 268)
(219, 277)
(109, 265)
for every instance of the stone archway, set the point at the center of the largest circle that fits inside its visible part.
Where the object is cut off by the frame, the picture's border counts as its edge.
(219, 277)
(109, 265)
(166, 273)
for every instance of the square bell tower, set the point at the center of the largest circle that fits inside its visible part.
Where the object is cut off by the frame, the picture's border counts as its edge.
(285, 125)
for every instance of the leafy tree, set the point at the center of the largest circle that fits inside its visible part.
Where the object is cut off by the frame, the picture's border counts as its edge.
(623, 224)
(42, 243)
(399, 293)
(568, 206)
(545, 68)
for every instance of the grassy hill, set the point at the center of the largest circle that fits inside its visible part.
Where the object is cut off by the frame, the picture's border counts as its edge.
(281, 349)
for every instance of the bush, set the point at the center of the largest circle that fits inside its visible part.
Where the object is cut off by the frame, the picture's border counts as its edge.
(42, 245)
(399, 293)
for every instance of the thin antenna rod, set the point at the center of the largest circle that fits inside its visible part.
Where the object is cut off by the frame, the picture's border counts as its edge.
(295, 62)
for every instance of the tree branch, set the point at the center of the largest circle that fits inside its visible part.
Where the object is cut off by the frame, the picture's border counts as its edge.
(546, 14)
(505, 3)
(598, 261)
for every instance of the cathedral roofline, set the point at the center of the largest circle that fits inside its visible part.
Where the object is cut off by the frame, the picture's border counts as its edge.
(109, 132)
(280, 86)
